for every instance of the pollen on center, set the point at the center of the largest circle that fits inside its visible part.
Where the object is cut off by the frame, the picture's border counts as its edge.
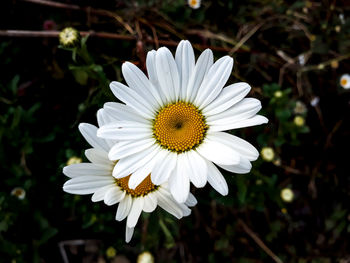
(145, 187)
(179, 127)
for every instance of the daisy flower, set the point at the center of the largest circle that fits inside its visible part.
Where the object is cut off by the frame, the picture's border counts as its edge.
(345, 81)
(96, 178)
(195, 4)
(171, 123)
(69, 37)
(18, 192)
(287, 195)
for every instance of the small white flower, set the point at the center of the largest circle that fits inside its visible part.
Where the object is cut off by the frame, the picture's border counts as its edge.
(300, 108)
(314, 102)
(299, 121)
(18, 192)
(301, 59)
(145, 257)
(69, 37)
(287, 195)
(268, 154)
(195, 4)
(172, 122)
(96, 178)
(278, 94)
(345, 81)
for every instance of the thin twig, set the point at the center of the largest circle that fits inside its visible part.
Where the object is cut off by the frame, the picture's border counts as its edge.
(72, 7)
(259, 242)
(89, 10)
(28, 33)
(245, 38)
(322, 65)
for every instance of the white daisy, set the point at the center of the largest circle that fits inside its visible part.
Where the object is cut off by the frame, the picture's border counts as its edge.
(172, 122)
(96, 178)
(195, 4)
(345, 81)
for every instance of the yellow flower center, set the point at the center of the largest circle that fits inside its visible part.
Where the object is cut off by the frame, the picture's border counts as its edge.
(343, 81)
(145, 187)
(193, 2)
(179, 127)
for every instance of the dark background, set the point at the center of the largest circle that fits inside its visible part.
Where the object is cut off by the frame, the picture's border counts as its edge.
(45, 93)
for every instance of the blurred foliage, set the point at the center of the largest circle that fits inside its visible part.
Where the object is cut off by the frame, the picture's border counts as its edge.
(289, 51)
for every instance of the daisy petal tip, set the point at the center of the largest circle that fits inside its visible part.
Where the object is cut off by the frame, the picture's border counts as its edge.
(224, 193)
(264, 120)
(85, 126)
(64, 170)
(111, 156)
(180, 198)
(113, 85)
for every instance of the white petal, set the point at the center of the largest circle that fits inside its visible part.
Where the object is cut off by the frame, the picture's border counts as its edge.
(129, 231)
(184, 58)
(242, 168)
(84, 169)
(131, 163)
(198, 169)
(228, 97)
(136, 80)
(86, 184)
(113, 131)
(214, 81)
(126, 148)
(124, 208)
(99, 195)
(163, 168)
(166, 202)
(103, 118)
(216, 180)
(139, 175)
(132, 99)
(218, 152)
(185, 210)
(98, 156)
(135, 212)
(121, 111)
(152, 74)
(114, 195)
(191, 200)
(151, 68)
(244, 109)
(204, 62)
(150, 203)
(179, 182)
(241, 146)
(167, 74)
(256, 120)
(89, 132)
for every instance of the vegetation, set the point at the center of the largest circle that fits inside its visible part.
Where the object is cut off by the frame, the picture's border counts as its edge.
(292, 53)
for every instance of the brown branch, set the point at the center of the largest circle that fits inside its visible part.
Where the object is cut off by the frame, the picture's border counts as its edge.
(28, 33)
(89, 10)
(245, 38)
(260, 243)
(72, 7)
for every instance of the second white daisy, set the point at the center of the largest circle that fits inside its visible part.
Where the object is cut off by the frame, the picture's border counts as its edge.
(96, 178)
